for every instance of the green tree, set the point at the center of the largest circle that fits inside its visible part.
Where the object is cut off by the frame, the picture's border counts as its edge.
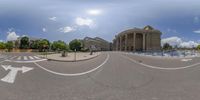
(75, 44)
(43, 44)
(34, 45)
(2, 45)
(24, 42)
(9, 45)
(59, 46)
(198, 47)
(167, 46)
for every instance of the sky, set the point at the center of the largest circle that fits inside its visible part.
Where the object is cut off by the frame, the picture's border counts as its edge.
(178, 20)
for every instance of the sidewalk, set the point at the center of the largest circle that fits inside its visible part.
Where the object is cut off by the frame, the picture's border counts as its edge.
(80, 56)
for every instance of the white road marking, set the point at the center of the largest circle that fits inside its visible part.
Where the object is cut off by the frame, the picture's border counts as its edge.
(13, 57)
(31, 57)
(25, 58)
(161, 68)
(36, 57)
(75, 74)
(19, 58)
(31, 61)
(10, 77)
(186, 60)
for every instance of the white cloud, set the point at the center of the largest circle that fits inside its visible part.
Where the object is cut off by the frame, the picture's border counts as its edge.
(172, 41)
(12, 36)
(179, 42)
(44, 29)
(1, 40)
(189, 44)
(84, 22)
(53, 18)
(197, 31)
(67, 29)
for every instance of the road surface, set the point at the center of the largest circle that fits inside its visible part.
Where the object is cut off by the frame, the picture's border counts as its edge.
(110, 76)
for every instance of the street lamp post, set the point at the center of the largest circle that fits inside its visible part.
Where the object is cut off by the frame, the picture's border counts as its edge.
(75, 55)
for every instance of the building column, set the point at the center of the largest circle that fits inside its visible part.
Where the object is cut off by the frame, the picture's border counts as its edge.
(116, 45)
(144, 42)
(126, 41)
(120, 43)
(134, 46)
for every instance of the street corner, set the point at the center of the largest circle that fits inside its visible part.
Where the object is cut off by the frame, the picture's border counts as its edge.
(72, 56)
(73, 68)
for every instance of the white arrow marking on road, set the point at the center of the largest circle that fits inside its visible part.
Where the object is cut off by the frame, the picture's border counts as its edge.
(10, 77)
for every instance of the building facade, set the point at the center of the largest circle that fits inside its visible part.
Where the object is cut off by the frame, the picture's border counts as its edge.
(136, 39)
(96, 43)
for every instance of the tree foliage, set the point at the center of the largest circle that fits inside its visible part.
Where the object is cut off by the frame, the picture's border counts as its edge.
(43, 44)
(2, 45)
(75, 44)
(59, 46)
(24, 42)
(9, 45)
(167, 46)
(198, 47)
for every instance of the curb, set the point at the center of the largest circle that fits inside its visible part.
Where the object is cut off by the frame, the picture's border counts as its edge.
(73, 60)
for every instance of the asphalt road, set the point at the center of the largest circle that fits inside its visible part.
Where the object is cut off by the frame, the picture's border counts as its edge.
(110, 76)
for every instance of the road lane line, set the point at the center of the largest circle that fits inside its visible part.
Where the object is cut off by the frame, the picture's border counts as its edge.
(25, 58)
(19, 58)
(32, 61)
(31, 57)
(75, 74)
(161, 68)
(13, 57)
(36, 57)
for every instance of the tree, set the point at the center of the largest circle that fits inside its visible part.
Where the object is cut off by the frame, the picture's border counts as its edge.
(34, 45)
(43, 44)
(59, 46)
(2, 45)
(75, 44)
(24, 42)
(198, 47)
(9, 45)
(167, 46)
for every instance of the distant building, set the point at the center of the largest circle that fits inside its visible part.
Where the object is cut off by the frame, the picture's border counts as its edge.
(96, 43)
(136, 39)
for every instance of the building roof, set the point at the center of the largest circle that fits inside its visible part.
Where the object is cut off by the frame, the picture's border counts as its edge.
(146, 29)
(95, 39)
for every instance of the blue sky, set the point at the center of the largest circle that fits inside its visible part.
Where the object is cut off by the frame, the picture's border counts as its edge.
(178, 20)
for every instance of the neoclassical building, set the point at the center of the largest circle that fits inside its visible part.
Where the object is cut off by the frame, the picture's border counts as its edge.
(136, 39)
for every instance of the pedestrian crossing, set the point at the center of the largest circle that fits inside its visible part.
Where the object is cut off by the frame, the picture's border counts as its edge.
(24, 58)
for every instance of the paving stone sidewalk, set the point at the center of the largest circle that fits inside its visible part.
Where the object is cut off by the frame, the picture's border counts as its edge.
(79, 56)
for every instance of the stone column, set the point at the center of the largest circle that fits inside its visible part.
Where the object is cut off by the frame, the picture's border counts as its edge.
(120, 43)
(126, 41)
(134, 46)
(116, 45)
(144, 42)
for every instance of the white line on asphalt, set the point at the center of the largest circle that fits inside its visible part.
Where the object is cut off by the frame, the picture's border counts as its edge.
(75, 74)
(32, 61)
(13, 57)
(25, 58)
(36, 57)
(31, 57)
(156, 67)
(19, 58)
